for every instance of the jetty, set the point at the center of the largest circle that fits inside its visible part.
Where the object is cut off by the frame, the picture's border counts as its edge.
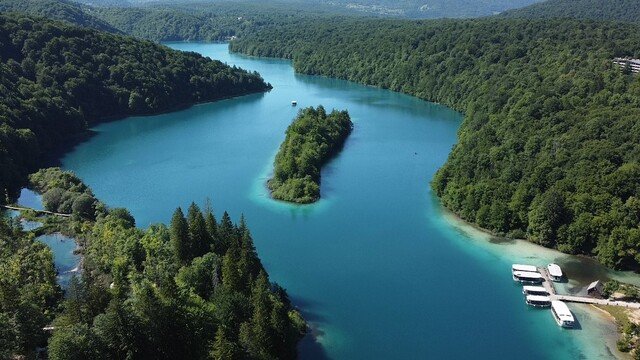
(45, 212)
(553, 295)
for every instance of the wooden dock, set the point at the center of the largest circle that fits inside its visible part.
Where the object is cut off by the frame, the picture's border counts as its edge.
(46, 212)
(553, 295)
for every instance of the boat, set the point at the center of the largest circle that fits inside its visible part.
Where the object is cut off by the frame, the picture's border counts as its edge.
(520, 267)
(538, 300)
(294, 103)
(528, 277)
(534, 290)
(562, 314)
(555, 273)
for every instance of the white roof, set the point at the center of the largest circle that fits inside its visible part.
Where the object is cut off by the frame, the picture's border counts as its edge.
(528, 274)
(562, 310)
(520, 267)
(538, 298)
(554, 270)
(527, 288)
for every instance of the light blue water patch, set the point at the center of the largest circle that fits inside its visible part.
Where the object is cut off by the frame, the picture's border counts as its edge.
(373, 266)
(30, 199)
(66, 261)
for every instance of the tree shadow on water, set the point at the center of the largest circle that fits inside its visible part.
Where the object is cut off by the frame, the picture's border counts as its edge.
(309, 347)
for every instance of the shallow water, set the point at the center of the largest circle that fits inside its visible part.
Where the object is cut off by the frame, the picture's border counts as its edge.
(376, 266)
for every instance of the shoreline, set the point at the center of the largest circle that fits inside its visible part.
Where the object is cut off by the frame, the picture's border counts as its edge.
(511, 248)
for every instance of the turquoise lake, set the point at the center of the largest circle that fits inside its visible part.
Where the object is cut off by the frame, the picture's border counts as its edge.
(376, 266)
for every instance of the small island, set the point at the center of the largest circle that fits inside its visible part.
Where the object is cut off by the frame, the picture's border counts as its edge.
(311, 140)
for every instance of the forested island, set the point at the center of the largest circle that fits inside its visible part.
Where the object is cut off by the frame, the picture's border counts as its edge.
(549, 149)
(57, 80)
(194, 289)
(311, 140)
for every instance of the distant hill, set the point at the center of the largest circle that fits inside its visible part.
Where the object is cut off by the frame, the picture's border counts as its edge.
(430, 9)
(62, 10)
(418, 9)
(622, 10)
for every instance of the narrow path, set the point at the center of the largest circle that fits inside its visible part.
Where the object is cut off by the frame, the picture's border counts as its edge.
(38, 211)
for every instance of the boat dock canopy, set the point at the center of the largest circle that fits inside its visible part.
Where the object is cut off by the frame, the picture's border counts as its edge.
(520, 267)
(554, 270)
(527, 289)
(562, 310)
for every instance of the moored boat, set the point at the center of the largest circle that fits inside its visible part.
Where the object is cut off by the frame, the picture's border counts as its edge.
(555, 273)
(538, 300)
(562, 314)
(527, 277)
(534, 290)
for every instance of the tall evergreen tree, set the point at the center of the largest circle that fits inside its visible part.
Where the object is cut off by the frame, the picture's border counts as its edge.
(198, 233)
(224, 348)
(226, 232)
(179, 235)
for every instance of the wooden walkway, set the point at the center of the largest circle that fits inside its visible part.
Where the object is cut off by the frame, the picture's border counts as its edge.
(553, 295)
(38, 211)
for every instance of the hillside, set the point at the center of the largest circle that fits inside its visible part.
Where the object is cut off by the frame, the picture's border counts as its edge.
(549, 148)
(59, 79)
(62, 10)
(621, 10)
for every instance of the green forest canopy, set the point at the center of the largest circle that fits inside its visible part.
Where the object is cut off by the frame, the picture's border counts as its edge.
(311, 140)
(550, 146)
(57, 79)
(195, 289)
(622, 10)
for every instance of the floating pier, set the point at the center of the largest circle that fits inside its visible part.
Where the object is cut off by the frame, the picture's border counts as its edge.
(548, 285)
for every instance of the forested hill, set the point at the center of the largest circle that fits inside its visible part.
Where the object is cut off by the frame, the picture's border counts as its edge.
(62, 10)
(55, 79)
(550, 145)
(622, 10)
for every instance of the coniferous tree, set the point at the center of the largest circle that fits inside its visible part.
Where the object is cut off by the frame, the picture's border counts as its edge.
(225, 232)
(224, 348)
(198, 233)
(179, 235)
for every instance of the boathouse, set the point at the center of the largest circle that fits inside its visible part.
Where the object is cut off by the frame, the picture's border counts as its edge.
(596, 289)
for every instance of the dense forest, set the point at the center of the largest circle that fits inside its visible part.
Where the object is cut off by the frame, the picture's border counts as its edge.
(29, 294)
(311, 140)
(195, 289)
(550, 146)
(57, 79)
(622, 10)
(62, 10)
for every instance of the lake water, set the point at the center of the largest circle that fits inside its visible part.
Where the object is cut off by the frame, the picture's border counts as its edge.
(376, 266)
(63, 247)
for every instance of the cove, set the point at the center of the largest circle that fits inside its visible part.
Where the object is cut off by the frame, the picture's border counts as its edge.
(376, 266)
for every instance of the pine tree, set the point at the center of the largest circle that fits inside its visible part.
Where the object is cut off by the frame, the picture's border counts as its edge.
(179, 235)
(198, 234)
(226, 232)
(212, 228)
(224, 348)
(260, 340)
(230, 277)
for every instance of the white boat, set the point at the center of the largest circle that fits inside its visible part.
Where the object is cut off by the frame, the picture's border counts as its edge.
(534, 290)
(562, 314)
(528, 277)
(520, 267)
(294, 103)
(538, 300)
(555, 273)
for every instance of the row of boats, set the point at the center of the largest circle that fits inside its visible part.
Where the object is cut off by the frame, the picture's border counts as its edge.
(538, 296)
